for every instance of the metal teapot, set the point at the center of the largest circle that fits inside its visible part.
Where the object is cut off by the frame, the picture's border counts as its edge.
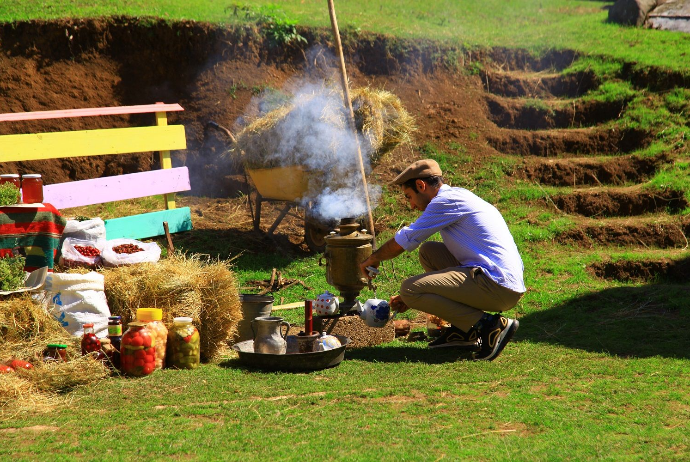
(326, 304)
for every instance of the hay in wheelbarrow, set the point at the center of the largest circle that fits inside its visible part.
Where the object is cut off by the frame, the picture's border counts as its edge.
(289, 134)
(26, 328)
(206, 291)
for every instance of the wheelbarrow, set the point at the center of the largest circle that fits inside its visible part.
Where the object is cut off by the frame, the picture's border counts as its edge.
(283, 184)
(288, 184)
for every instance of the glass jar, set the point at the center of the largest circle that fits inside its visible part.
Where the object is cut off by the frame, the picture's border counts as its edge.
(154, 318)
(138, 353)
(89, 341)
(55, 352)
(183, 344)
(115, 336)
(11, 178)
(32, 188)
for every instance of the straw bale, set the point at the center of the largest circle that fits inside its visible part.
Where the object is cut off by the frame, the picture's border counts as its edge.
(180, 286)
(380, 119)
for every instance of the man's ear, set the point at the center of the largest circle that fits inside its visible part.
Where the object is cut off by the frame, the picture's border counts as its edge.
(421, 185)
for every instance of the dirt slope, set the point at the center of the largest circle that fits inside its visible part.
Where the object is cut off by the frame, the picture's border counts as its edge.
(214, 73)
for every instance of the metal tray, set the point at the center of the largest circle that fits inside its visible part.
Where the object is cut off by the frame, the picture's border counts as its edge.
(291, 362)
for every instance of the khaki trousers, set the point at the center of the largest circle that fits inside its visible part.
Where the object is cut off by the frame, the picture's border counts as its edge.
(457, 295)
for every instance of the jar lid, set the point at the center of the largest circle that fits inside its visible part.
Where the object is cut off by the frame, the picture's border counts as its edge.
(115, 318)
(9, 175)
(149, 314)
(183, 319)
(57, 345)
(32, 175)
(90, 324)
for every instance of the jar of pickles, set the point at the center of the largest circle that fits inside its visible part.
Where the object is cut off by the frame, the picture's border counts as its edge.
(32, 188)
(138, 353)
(183, 344)
(153, 317)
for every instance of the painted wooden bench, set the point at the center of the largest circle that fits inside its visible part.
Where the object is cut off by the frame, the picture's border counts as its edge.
(160, 137)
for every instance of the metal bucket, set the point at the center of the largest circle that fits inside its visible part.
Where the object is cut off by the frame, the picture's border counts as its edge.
(253, 306)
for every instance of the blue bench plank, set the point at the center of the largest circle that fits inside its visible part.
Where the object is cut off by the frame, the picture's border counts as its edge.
(149, 225)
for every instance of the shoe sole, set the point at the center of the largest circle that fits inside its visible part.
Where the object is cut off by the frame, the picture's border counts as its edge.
(503, 339)
(463, 345)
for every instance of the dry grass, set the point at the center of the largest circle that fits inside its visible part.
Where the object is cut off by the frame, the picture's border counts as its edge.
(26, 328)
(180, 286)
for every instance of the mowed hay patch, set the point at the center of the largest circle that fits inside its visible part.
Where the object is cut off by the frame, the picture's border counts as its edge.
(180, 286)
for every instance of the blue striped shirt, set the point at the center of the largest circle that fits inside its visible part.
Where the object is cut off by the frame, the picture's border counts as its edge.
(473, 231)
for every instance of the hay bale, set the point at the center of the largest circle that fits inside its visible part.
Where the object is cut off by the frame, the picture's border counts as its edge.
(382, 119)
(286, 135)
(180, 286)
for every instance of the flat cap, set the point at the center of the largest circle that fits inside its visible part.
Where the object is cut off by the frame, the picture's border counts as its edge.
(424, 168)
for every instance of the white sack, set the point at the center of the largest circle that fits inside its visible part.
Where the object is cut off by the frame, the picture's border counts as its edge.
(77, 299)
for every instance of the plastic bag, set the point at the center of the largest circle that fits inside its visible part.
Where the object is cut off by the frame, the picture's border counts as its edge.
(87, 230)
(78, 252)
(115, 252)
(76, 299)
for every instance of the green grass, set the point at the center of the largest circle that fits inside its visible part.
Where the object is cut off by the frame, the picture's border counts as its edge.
(538, 26)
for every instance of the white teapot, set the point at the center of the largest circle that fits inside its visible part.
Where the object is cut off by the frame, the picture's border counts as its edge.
(375, 312)
(326, 304)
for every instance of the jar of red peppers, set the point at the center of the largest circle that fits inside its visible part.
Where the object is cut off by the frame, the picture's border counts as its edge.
(183, 344)
(154, 318)
(138, 353)
(89, 341)
(32, 188)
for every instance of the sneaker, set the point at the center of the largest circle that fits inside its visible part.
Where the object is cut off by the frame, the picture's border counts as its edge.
(454, 337)
(494, 334)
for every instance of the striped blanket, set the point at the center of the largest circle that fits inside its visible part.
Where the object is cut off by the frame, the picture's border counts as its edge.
(32, 232)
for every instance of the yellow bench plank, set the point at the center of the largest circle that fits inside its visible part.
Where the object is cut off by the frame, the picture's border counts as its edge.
(82, 143)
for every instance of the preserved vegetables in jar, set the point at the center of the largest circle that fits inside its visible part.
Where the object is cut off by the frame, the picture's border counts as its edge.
(153, 317)
(138, 353)
(183, 344)
(32, 188)
(89, 341)
(55, 352)
(115, 336)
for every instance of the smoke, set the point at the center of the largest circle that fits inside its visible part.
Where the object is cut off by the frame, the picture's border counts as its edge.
(316, 134)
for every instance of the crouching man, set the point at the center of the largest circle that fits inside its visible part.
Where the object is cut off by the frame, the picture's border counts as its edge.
(475, 271)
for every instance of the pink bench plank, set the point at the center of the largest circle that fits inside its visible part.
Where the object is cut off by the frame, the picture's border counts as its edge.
(88, 112)
(116, 188)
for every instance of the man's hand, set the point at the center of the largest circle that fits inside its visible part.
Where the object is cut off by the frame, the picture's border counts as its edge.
(372, 262)
(397, 304)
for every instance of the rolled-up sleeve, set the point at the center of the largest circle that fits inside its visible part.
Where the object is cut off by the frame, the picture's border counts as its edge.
(434, 218)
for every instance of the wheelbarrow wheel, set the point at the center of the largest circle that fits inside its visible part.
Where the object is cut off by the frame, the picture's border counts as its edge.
(315, 236)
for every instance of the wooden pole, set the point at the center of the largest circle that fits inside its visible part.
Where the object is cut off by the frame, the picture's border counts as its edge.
(348, 104)
(171, 248)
